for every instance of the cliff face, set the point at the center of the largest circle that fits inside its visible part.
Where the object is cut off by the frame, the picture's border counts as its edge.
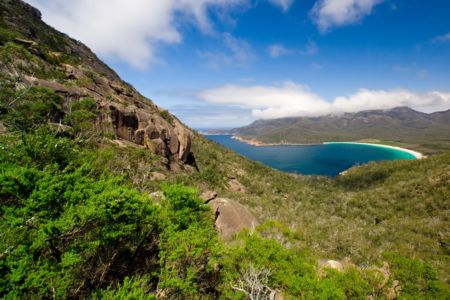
(34, 54)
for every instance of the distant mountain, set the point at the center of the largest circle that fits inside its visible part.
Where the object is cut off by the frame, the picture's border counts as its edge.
(400, 124)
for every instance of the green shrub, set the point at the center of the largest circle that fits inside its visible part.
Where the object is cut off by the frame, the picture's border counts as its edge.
(418, 279)
(135, 288)
(82, 117)
(33, 108)
(166, 116)
(67, 233)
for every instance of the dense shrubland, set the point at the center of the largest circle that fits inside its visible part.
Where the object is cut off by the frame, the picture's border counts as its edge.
(78, 218)
(76, 221)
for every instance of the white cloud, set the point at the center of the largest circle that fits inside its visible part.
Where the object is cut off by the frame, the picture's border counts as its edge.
(285, 5)
(277, 50)
(277, 101)
(442, 38)
(235, 52)
(331, 13)
(291, 99)
(381, 99)
(310, 49)
(129, 32)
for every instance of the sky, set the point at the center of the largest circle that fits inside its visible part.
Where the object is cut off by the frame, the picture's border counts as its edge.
(226, 63)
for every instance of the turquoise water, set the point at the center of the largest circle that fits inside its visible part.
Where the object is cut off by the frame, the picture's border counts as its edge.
(326, 159)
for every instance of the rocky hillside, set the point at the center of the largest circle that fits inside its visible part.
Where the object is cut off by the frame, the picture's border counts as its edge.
(34, 54)
(102, 196)
(401, 124)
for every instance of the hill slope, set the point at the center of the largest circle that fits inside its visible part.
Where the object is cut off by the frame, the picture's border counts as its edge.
(94, 203)
(401, 124)
(34, 54)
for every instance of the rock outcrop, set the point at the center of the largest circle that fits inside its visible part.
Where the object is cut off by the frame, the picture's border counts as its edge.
(145, 126)
(236, 186)
(208, 196)
(231, 217)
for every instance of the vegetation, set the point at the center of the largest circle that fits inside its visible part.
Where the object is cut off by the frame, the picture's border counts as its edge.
(166, 116)
(73, 224)
(379, 207)
(81, 217)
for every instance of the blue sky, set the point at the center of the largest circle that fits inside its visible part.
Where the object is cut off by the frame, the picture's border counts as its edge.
(225, 63)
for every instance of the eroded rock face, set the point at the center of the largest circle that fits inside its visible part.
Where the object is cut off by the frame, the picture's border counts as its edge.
(145, 127)
(126, 114)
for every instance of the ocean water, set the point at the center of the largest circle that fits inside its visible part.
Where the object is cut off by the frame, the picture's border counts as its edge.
(326, 159)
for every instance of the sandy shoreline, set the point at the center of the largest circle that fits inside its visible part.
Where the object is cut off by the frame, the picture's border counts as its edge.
(257, 143)
(416, 154)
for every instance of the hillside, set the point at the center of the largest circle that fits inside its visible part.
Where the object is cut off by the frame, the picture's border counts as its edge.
(417, 130)
(99, 199)
(35, 55)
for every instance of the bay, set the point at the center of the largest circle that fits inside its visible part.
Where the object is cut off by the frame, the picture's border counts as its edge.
(322, 159)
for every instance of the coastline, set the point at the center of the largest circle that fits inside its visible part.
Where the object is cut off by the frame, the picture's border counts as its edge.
(257, 143)
(416, 154)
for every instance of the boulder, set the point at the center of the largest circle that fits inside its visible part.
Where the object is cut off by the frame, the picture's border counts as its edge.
(120, 90)
(2, 128)
(331, 264)
(324, 264)
(393, 292)
(158, 176)
(72, 72)
(231, 217)
(185, 140)
(208, 196)
(235, 186)
(26, 43)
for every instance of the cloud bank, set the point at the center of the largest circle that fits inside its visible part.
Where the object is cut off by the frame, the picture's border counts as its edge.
(129, 30)
(335, 13)
(291, 99)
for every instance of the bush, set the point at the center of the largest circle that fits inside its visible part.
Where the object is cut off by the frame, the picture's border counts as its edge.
(134, 288)
(166, 116)
(33, 108)
(68, 233)
(39, 148)
(82, 118)
(418, 280)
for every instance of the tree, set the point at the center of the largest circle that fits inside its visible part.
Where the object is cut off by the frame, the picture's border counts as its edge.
(254, 283)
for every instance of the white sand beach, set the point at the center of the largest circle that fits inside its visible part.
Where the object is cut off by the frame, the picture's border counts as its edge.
(416, 154)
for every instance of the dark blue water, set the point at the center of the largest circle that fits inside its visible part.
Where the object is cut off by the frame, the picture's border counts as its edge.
(326, 159)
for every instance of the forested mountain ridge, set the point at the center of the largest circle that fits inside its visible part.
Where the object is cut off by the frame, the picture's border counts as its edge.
(400, 124)
(99, 199)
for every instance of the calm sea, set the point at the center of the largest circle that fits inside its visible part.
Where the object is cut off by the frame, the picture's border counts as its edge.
(327, 159)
